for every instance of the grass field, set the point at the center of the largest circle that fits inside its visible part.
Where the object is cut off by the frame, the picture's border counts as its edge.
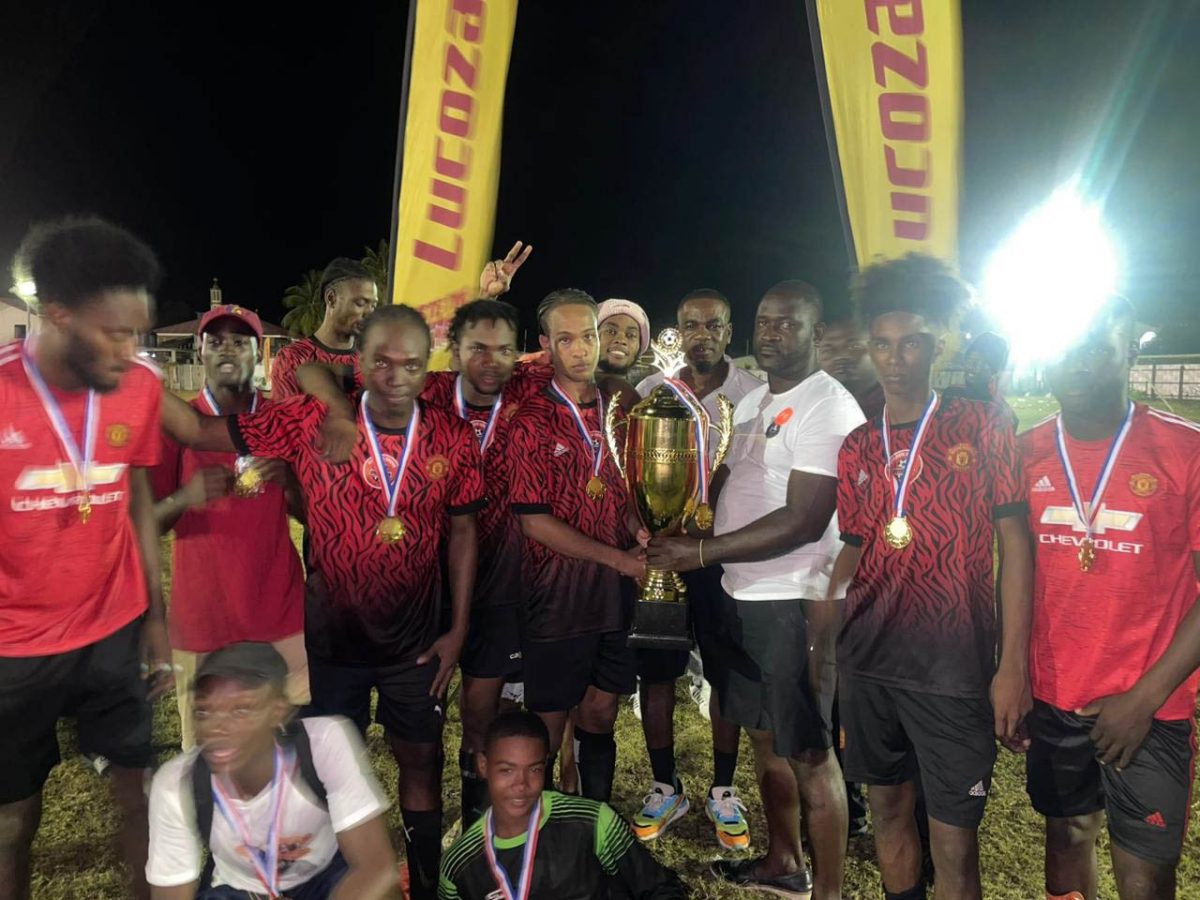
(74, 859)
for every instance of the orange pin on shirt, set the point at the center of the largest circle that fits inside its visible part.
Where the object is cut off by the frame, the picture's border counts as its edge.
(778, 422)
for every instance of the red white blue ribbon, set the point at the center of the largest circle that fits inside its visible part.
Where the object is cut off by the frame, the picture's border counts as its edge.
(700, 417)
(900, 486)
(81, 462)
(215, 410)
(265, 859)
(1087, 514)
(460, 406)
(531, 841)
(577, 415)
(391, 486)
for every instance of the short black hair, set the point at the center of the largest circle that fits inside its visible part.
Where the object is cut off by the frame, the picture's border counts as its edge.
(915, 283)
(706, 294)
(516, 723)
(992, 347)
(484, 311)
(394, 314)
(71, 260)
(343, 269)
(563, 297)
(799, 290)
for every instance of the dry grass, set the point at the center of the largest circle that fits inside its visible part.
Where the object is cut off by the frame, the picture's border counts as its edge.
(74, 859)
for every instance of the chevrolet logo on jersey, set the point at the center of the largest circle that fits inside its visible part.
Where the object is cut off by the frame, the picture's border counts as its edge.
(1107, 520)
(61, 478)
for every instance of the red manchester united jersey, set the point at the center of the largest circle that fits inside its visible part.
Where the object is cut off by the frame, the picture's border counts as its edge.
(1095, 633)
(371, 603)
(923, 618)
(64, 583)
(551, 464)
(343, 364)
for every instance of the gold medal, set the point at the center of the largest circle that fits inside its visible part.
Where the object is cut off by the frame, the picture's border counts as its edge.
(595, 488)
(704, 516)
(1087, 554)
(390, 530)
(85, 509)
(898, 533)
(249, 482)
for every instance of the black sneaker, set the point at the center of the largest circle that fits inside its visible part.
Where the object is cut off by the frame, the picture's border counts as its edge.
(795, 886)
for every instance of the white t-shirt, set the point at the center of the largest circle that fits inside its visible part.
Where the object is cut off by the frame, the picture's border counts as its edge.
(308, 837)
(822, 414)
(737, 384)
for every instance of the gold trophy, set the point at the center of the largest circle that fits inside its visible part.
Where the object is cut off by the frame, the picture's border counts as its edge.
(665, 465)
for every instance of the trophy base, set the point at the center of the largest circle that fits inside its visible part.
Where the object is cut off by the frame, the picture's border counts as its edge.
(660, 626)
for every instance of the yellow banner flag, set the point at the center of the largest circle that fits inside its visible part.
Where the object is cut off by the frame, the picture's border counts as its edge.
(892, 78)
(450, 164)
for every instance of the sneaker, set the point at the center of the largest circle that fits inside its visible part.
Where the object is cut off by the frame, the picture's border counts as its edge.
(701, 691)
(725, 810)
(636, 702)
(796, 886)
(663, 805)
(513, 692)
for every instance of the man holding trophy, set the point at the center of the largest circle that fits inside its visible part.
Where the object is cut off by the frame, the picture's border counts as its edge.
(776, 538)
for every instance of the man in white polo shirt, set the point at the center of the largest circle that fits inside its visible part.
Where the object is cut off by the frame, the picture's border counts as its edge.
(703, 319)
(776, 538)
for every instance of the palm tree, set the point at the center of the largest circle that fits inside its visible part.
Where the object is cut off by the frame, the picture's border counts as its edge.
(377, 261)
(304, 304)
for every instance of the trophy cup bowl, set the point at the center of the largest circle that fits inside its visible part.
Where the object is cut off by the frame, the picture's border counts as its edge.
(660, 462)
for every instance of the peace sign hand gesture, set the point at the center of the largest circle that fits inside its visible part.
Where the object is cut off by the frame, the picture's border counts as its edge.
(497, 275)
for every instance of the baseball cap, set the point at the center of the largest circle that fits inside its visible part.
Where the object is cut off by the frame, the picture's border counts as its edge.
(249, 662)
(230, 311)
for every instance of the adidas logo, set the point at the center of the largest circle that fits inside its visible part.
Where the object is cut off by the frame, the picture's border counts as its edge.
(863, 478)
(559, 449)
(1043, 485)
(12, 439)
(1156, 819)
(978, 790)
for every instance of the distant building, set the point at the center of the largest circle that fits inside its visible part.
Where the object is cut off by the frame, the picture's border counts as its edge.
(16, 319)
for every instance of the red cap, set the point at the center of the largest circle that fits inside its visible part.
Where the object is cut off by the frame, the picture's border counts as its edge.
(229, 311)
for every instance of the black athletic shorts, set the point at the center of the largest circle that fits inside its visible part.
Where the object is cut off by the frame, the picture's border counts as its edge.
(703, 592)
(405, 709)
(1146, 803)
(893, 734)
(755, 655)
(493, 645)
(558, 673)
(99, 685)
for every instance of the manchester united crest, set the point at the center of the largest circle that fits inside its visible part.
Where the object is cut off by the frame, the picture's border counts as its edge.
(437, 467)
(117, 435)
(1143, 484)
(961, 457)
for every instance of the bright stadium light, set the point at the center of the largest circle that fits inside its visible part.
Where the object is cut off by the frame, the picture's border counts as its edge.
(25, 289)
(1147, 338)
(1042, 284)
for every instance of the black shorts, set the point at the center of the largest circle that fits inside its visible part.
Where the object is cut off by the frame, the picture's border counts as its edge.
(1146, 803)
(558, 673)
(405, 708)
(99, 685)
(663, 666)
(893, 734)
(755, 656)
(493, 645)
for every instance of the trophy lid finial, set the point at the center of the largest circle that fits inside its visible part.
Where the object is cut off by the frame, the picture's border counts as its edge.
(668, 351)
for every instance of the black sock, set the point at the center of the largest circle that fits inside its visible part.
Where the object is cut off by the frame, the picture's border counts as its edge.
(913, 893)
(724, 765)
(662, 764)
(475, 798)
(423, 845)
(596, 755)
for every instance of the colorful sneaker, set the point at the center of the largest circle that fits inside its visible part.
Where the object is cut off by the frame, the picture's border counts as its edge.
(725, 810)
(796, 886)
(664, 804)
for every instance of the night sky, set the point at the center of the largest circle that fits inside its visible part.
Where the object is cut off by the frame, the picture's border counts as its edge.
(649, 147)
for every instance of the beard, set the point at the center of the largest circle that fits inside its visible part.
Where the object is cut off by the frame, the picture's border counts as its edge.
(609, 369)
(79, 359)
(702, 367)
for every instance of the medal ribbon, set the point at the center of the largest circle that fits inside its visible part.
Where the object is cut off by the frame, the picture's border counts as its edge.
(265, 861)
(80, 462)
(900, 487)
(531, 842)
(215, 410)
(597, 448)
(391, 486)
(460, 406)
(1087, 515)
(700, 417)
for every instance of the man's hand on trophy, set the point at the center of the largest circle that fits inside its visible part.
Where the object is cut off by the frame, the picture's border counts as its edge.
(631, 562)
(678, 554)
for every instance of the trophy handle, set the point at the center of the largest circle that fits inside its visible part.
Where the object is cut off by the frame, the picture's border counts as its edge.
(610, 435)
(724, 429)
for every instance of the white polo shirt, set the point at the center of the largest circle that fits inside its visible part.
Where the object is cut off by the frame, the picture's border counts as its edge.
(822, 413)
